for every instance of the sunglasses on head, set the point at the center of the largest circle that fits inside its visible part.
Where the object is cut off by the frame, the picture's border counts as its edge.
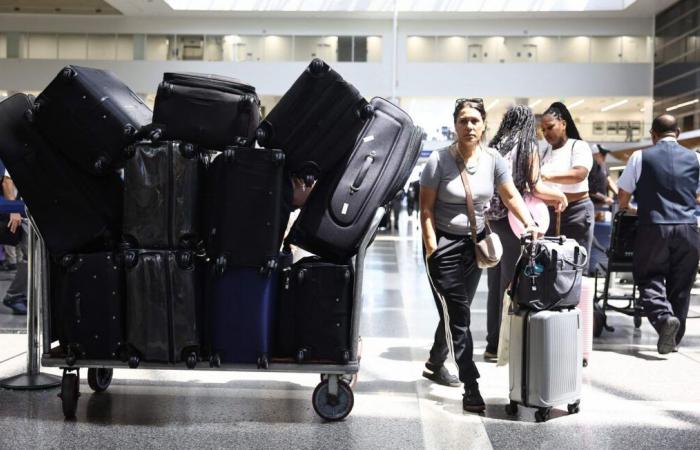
(461, 101)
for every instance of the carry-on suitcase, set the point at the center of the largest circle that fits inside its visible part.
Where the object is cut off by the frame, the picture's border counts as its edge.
(624, 232)
(545, 361)
(548, 274)
(315, 311)
(316, 122)
(341, 207)
(244, 208)
(73, 210)
(163, 185)
(242, 305)
(90, 116)
(163, 306)
(209, 110)
(88, 306)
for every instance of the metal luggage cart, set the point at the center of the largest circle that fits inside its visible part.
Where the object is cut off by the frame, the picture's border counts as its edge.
(618, 262)
(332, 399)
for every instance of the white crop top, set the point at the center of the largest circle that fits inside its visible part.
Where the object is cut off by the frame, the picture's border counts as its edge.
(574, 153)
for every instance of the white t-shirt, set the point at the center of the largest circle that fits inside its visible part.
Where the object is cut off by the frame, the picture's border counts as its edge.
(573, 153)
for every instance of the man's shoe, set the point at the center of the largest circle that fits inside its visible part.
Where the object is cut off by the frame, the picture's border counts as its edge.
(472, 400)
(490, 357)
(440, 375)
(18, 307)
(667, 335)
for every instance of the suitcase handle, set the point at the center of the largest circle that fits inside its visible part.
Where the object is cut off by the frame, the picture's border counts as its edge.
(362, 174)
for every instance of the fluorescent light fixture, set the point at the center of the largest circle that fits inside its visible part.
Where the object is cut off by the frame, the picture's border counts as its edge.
(492, 104)
(642, 109)
(614, 105)
(617, 168)
(575, 104)
(680, 105)
(535, 103)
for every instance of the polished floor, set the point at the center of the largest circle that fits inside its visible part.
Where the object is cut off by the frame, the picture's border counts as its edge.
(632, 397)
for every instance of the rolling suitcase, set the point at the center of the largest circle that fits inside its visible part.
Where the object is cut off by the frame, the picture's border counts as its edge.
(624, 232)
(545, 361)
(316, 122)
(162, 195)
(90, 116)
(209, 110)
(74, 211)
(88, 306)
(315, 311)
(242, 308)
(340, 208)
(163, 306)
(244, 208)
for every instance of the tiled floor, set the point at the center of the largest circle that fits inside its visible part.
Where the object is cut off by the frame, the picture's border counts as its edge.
(632, 397)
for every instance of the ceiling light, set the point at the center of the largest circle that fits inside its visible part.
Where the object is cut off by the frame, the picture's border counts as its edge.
(492, 104)
(535, 103)
(576, 103)
(680, 105)
(614, 105)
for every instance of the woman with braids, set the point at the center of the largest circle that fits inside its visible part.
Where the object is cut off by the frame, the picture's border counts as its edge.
(565, 166)
(516, 141)
(447, 240)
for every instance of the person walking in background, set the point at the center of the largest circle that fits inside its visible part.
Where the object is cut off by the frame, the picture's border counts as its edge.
(16, 296)
(665, 180)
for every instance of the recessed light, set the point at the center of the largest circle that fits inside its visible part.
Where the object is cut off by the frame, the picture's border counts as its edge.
(614, 105)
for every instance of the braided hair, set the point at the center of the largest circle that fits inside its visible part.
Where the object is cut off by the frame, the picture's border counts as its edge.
(561, 112)
(518, 130)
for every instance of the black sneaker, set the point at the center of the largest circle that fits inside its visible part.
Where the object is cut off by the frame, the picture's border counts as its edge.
(472, 401)
(440, 375)
(667, 335)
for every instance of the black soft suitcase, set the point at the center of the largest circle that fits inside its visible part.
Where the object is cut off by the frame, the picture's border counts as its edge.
(315, 122)
(244, 208)
(624, 232)
(74, 211)
(163, 184)
(340, 208)
(210, 110)
(91, 116)
(315, 311)
(163, 306)
(88, 306)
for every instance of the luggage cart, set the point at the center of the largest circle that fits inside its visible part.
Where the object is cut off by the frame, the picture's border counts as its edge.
(332, 399)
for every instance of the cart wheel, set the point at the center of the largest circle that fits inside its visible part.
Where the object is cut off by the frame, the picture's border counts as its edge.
(70, 391)
(134, 361)
(215, 361)
(574, 408)
(333, 408)
(99, 379)
(263, 362)
(191, 361)
(542, 415)
(512, 408)
(637, 321)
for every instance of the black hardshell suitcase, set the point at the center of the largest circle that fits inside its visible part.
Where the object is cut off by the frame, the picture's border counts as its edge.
(163, 306)
(73, 210)
(244, 208)
(315, 311)
(88, 306)
(209, 110)
(315, 122)
(163, 185)
(341, 207)
(91, 116)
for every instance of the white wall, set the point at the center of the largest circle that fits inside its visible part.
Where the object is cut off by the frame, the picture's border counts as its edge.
(3, 46)
(102, 47)
(277, 48)
(72, 46)
(573, 49)
(42, 46)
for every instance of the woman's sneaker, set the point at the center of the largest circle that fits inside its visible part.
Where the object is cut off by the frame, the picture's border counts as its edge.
(440, 375)
(472, 401)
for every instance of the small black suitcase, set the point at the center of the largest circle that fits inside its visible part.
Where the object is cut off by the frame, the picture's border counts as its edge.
(162, 195)
(244, 208)
(163, 306)
(91, 116)
(315, 311)
(74, 211)
(624, 232)
(209, 110)
(340, 208)
(88, 307)
(315, 122)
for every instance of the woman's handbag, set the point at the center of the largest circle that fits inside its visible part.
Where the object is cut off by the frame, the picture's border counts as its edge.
(489, 249)
(504, 332)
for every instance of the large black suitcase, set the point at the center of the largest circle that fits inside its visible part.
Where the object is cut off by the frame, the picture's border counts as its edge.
(91, 116)
(163, 306)
(244, 208)
(315, 122)
(315, 311)
(162, 195)
(341, 207)
(88, 306)
(74, 211)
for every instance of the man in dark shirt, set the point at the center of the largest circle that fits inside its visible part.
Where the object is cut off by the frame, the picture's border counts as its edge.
(599, 182)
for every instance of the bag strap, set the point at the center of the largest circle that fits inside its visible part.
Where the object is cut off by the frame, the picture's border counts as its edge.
(467, 190)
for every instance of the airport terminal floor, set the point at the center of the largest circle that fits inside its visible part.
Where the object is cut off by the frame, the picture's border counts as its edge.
(632, 397)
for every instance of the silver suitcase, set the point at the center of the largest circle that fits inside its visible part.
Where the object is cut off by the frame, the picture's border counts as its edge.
(545, 361)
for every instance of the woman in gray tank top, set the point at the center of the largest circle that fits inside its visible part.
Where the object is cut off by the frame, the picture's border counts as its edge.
(448, 246)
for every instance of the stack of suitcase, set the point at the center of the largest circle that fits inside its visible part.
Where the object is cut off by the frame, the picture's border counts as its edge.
(546, 328)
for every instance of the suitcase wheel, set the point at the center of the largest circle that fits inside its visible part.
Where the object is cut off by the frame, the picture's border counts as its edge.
(129, 130)
(367, 112)
(512, 408)
(99, 379)
(241, 141)
(134, 361)
(247, 102)
(184, 260)
(317, 67)
(130, 259)
(220, 265)
(167, 88)
(191, 361)
(263, 362)
(345, 357)
(67, 74)
(268, 267)
(542, 415)
(309, 180)
(574, 408)
(264, 133)
(188, 151)
(215, 361)
(301, 354)
(155, 134)
(67, 261)
(230, 155)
